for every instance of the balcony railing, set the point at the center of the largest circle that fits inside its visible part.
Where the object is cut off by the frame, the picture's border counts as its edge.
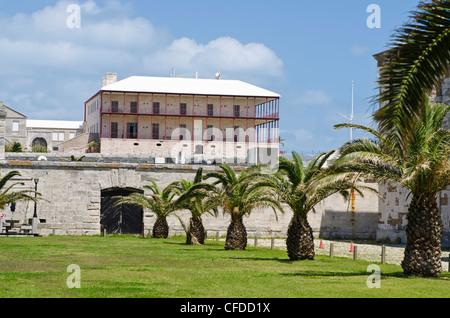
(202, 113)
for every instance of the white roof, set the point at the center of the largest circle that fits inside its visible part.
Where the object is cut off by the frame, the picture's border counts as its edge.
(54, 124)
(188, 86)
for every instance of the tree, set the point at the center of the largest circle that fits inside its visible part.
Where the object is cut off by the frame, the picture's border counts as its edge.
(7, 196)
(238, 196)
(423, 167)
(416, 62)
(198, 202)
(160, 202)
(16, 147)
(302, 186)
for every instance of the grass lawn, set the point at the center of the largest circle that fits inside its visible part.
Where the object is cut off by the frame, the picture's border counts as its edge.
(129, 267)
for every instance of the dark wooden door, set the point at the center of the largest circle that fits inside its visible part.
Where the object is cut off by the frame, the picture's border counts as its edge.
(121, 219)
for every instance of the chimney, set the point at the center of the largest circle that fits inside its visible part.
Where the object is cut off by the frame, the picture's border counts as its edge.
(110, 78)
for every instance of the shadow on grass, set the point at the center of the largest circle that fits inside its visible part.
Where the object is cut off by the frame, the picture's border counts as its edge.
(308, 273)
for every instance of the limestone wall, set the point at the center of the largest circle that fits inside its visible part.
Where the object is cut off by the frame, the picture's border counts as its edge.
(73, 191)
(394, 206)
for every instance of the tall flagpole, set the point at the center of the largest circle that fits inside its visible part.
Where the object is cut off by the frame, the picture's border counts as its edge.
(351, 116)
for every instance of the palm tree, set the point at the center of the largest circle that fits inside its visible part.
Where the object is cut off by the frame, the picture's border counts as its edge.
(416, 62)
(8, 197)
(302, 186)
(73, 158)
(423, 167)
(159, 202)
(238, 196)
(198, 202)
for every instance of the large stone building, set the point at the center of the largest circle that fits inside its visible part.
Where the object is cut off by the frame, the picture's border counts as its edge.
(52, 133)
(47, 135)
(184, 119)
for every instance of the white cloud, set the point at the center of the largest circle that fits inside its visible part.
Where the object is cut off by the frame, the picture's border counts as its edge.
(225, 53)
(41, 53)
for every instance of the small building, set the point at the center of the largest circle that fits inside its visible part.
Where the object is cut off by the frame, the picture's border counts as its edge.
(51, 133)
(185, 120)
(15, 126)
(40, 135)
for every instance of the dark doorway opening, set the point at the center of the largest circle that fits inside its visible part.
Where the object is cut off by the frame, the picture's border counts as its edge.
(121, 219)
(39, 144)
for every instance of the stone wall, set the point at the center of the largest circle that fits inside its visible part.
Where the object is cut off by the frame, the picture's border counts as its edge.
(73, 191)
(79, 144)
(394, 206)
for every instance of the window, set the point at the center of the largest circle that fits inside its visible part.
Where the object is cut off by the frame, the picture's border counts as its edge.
(199, 150)
(132, 131)
(183, 109)
(182, 131)
(237, 110)
(210, 130)
(15, 126)
(114, 129)
(236, 133)
(133, 107)
(156, 108)
(58, 136)
(71, 135)
(114, 106)
(210, 110)
(155, 131)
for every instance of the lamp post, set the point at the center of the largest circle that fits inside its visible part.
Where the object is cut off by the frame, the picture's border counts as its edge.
(35, 219)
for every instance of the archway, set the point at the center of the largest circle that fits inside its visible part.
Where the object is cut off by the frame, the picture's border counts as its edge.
(121, 219)
(39, 144)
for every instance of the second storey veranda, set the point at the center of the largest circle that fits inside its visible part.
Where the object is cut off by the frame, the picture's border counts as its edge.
(206, 112)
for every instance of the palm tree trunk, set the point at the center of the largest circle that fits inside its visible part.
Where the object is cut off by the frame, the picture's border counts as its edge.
(300, 239)
(236, 235)
(196, 232)
(161, 228)
(423, 238)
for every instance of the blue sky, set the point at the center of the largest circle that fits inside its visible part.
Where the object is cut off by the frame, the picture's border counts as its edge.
(307, 51)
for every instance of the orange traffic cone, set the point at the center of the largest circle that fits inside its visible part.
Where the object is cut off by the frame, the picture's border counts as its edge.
(351, 247)
(321, 244)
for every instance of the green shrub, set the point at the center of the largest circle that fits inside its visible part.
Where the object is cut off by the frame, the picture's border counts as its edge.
(15, 147)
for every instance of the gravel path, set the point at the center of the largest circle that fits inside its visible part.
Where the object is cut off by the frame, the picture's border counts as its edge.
(366, 252)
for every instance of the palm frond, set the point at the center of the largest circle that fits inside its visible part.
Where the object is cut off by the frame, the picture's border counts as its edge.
(8, 196)
(417, 60)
